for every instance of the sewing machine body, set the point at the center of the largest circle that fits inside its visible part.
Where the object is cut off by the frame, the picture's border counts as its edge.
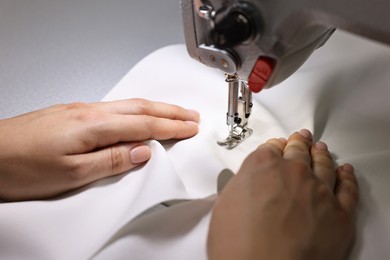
(262, 42)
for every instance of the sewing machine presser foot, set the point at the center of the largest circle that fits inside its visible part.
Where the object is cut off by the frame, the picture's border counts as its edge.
(236, 136)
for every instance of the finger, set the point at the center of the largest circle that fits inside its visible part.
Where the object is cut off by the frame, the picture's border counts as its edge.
(270, 150)
(298, 146)
(322, 164)
(138, 106)
(265, 154)
(122, 128)
(109, 161)
(134, 106)
(277, 145)
(346, 190)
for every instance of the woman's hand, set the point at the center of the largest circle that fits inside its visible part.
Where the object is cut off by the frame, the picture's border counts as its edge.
(63, 147)
(286, 202)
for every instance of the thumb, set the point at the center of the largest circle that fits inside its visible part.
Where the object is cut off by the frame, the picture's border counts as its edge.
(112, 160)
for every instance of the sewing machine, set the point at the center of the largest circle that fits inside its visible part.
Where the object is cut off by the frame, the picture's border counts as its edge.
(259, 43)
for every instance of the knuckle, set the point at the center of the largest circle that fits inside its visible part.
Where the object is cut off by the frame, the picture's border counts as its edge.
(297, 137)
(299, 168)
(272, 141)
(324, 192)
(75, 176)
(351, 188)
(116, 160)
(75, 105)
(264, 153)
(349, 177)
(323, 159)
(150, 124)
(87, 115)
(141, 105)
(296, 146)
(323, 164)
(75, 170)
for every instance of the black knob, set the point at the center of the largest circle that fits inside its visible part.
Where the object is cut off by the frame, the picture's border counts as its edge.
(235, 28)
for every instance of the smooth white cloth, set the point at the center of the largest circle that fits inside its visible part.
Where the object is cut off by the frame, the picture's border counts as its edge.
(341, 94)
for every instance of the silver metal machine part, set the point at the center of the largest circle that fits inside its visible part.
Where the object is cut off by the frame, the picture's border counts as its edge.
(261, 42)
(285, 31)
(239, 110)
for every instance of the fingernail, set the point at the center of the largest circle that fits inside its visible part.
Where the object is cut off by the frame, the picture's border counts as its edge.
(321, 146)
(140, 154)
(305, 133)
(348, 168)
(195, 113)
(192, 123)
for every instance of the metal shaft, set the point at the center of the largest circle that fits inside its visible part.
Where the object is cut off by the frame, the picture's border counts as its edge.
(233, 83)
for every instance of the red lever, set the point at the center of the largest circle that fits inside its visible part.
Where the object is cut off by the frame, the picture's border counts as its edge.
(260, 74)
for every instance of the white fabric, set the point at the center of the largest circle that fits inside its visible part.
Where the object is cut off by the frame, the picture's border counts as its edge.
(341, 94)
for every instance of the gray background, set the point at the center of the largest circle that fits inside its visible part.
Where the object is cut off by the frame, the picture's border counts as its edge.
(61, 51)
